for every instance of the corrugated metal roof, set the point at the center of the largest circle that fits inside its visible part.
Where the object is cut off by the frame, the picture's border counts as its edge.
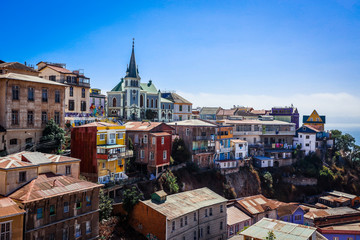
(282, 230)
(179, 204)
(50, 185)
(28, 78)
(258, 204)
(192, 122)
(321, 213)
(342, 194)
(235, 215)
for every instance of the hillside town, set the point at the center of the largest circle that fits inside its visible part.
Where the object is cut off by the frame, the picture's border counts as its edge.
(137, 162)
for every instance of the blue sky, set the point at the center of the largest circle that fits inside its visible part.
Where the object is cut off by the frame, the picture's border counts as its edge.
(220, 53)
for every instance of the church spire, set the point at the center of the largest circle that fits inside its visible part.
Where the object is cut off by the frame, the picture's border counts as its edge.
(132, 70)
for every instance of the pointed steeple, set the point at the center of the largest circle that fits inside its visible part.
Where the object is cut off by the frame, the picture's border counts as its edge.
(132, 70)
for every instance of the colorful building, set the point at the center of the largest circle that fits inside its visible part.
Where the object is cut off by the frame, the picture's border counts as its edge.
(195, 214)
(152, 145)
(11, 220)
(237, 220)
(286, 114)
(102, 149)
(97, 103)
(349, 231)
(305, 138)
(209, 113)
(290, 213)
(315, 120)
(182, 107)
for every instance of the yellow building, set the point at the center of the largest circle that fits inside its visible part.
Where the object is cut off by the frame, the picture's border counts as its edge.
(315, 121)
(11, 220)
(101, 147)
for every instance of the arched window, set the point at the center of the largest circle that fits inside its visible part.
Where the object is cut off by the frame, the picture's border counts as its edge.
(169, 115)
(169, 106)
(141, 100)
(163, 115)
(152, 103)
(163, 106)
(114, 102)
(156, 103)
(147, 102)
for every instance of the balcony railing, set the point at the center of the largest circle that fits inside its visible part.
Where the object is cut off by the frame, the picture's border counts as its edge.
(115, 156)
(204, 150)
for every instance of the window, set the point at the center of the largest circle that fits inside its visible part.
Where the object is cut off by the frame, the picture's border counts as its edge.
(88, 201)
(221, 208)
(77, 230)
(88, 227)
(102, 136)
(201, 233)
(5, 230)
(44, 117)
(78, 204)
(30, 94)
(221, 225)
(57, 96)
(103, 165)
(83, 92)
(71, 105)
(210, 212)
(52, 77)
(297, 217)
(173, 225)
(153, 140)
(52, 236)
(189, 110)
(163, 106)
(22, 177)
(208, 229)
(300, 136)
(66, 207)
(52, 210)
(68, 170)
(15, 92)
(188, 132)
(180, 108)
(181, 222)
(83, 106)
(120, 135)
(164, 155)
(349, 238)
(65, 235)
(145, 139)
(39, 213)
(307, 144)
(206, 213)
(44, 96)
(185, 220)
(15, 117)
(142, 153)
(307, 136)
(162, 140)
(30, 117)
(151, 155)
(152, 103)
(57, 118)
(13, 141)
(194, 216)
(71, 91)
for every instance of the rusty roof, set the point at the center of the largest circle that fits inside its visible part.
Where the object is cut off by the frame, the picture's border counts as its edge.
(331, 212)
(258, 204)
(32, 159)
(50, 185)
(59, 69)
(226, 112)
(343, 227)
(235, 215)
(9, 208)
(17, 65)
(179, 204)
(287, 209)
(335, 199)
(141, 126)
(342, 194)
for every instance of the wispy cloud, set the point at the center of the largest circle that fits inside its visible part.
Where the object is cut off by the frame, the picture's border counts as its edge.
(338, 107)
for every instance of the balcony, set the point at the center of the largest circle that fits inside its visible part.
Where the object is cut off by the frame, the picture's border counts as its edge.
(204, 150)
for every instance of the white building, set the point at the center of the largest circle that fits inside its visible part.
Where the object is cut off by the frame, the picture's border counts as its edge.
(306, 139)
(263, 162)
(239, 148)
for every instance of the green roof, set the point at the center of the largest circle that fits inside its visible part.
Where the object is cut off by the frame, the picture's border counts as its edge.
(148, 87)
(118, 88)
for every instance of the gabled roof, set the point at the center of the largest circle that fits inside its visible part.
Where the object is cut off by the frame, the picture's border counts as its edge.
(58, 69)
(226, 112)
(258, 204)
(176, 98)
(235, 215)
(306, 129)
(149, 87)
(209, 110)
(132, 70)
(9, 208)
(118, 87)
(50, 185)
(306, 118)
(143, 126)
(179, 204)
(18, 66)
(287, 209)
(28, 78)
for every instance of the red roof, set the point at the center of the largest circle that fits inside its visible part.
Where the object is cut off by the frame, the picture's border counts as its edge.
(59, 69)
(226, 112)
(161, 134)
(50, 185)
(141, 126)
(258, 204)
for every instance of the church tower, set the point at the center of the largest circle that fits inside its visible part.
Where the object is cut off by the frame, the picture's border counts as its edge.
(132, 89)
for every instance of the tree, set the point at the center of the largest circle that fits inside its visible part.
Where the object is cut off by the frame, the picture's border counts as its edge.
(52, 139)
(169, 182)
(105, 206)
(131, 198)
(270, 236)
(268, 180)
(150, 114)
(179, 151)
(344, 142)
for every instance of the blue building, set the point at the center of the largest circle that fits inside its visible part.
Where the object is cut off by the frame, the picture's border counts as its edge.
(291, 213)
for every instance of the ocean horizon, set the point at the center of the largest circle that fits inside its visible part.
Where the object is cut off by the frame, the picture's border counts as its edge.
(350, 128)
